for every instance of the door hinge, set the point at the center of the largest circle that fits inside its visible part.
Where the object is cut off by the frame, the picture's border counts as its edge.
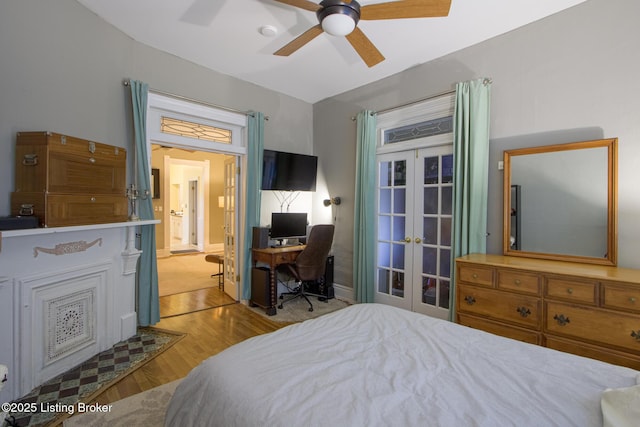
(238, 170)
(237, 277)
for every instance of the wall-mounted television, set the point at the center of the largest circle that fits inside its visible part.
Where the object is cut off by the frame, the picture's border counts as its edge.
(288, 171)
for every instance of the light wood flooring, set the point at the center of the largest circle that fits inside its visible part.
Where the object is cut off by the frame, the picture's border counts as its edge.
(208, 332)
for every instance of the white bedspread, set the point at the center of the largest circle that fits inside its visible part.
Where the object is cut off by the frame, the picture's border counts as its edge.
(374, 365)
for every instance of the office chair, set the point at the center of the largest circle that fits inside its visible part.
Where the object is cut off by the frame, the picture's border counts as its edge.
(310, 263)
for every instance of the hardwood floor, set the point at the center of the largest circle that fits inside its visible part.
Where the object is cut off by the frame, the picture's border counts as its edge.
(208, 332)
(187, 302)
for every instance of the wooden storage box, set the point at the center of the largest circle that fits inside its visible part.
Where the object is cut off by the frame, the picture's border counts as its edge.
(50, 162)
(61, 210)
(66, 181)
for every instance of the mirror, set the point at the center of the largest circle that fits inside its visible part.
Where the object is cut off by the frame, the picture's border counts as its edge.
(560, 202)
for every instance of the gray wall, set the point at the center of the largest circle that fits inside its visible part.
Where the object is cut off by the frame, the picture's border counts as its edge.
(62, 67)
(570, 77)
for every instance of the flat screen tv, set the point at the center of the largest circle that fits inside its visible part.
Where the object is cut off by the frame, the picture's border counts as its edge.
(288, 171)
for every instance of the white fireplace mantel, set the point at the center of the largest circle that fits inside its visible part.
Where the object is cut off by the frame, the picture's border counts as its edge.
(66, 294)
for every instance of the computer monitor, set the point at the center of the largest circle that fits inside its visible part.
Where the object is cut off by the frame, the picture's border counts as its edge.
(286, 225)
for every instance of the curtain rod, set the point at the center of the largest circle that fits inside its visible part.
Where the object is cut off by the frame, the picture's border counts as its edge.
(195, 101)
(485, 81)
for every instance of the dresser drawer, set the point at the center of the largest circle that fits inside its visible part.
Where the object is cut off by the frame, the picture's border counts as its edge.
(514, 308)
(620, 296)
(582, 291)
(477, 275)
(501, 329)
(594, 352)
(519, 281)
(599, 326)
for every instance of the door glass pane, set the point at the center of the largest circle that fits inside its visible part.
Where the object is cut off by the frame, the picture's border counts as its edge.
(431, 200)
(445, 262)
(383, 281)
(398, 257)
(429, 260)
(397, 284)
(399, 232)
(385, 201)
(385, 174)
(447, 200)
(429, 290)
(399, 200)
(384, 254)
(400, 173)
(431, 170)
(447, 169)
(384, 227)
(430, 231)
(444, 294)
(445, 231)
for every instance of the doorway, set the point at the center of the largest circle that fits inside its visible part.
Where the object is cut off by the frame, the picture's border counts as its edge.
(189, 182)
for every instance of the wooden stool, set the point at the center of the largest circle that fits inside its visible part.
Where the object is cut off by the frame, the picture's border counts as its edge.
(217, 259)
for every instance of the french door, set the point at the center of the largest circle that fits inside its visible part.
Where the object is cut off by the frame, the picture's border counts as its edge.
(414, 217)
(230, 217)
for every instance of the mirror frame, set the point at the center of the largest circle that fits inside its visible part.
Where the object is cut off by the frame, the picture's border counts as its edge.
(612, 201)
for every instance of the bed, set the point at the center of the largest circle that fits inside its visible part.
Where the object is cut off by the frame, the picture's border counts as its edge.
(371, 364)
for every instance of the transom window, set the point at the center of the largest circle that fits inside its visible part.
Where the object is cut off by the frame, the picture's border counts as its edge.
(188, 129)
(423, 129)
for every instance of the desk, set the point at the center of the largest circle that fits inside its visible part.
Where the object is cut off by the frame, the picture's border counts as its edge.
(275, 257)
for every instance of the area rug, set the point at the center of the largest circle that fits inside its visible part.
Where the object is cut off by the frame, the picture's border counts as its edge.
(57, 398)
(297, 310)
(143, 409)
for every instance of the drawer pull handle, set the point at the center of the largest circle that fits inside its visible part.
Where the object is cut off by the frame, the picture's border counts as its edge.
(30, 159)
(470, 300)
(524, 311)
(93, 199)
(474, 275)
(636, 335)
(569, 291)
(92, 160)
(632, 299)
(561, 319)
(517, 282)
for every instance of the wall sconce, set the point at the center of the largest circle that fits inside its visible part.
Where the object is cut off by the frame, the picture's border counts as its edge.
(332, 201)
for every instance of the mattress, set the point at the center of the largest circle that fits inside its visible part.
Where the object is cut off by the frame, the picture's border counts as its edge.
(375, 365)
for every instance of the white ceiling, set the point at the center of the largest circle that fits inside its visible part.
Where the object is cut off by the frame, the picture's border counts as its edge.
(224, 35)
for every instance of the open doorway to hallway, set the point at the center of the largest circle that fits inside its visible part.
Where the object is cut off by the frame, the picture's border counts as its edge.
(189, 205)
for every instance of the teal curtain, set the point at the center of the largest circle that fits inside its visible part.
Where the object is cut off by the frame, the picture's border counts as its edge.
(471, 167)
(255, 144)
(147, 272)
(365, 202)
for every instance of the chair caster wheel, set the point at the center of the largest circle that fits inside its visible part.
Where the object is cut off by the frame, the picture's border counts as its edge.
(280, 306)
(281, 296)
(310, 308)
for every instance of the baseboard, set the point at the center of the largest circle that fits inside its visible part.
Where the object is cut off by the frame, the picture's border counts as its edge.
(344, 293)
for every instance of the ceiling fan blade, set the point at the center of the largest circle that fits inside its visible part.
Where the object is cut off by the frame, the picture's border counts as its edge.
(302, 4)
(406, 9)
(300, 41)
(365, 48)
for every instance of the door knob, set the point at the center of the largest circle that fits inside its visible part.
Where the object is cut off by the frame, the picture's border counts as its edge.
(407, 239)
(418, 240)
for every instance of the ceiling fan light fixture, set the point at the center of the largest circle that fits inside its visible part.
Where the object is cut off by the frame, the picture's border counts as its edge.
(338, 24)
(338, 18)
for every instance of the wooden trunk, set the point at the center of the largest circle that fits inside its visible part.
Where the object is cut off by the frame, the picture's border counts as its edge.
(69, 181)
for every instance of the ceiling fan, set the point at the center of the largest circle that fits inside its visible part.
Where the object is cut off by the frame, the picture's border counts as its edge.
(340, 18)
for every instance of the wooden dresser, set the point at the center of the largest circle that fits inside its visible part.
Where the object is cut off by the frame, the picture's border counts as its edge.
(585, 309)
(65, 180)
